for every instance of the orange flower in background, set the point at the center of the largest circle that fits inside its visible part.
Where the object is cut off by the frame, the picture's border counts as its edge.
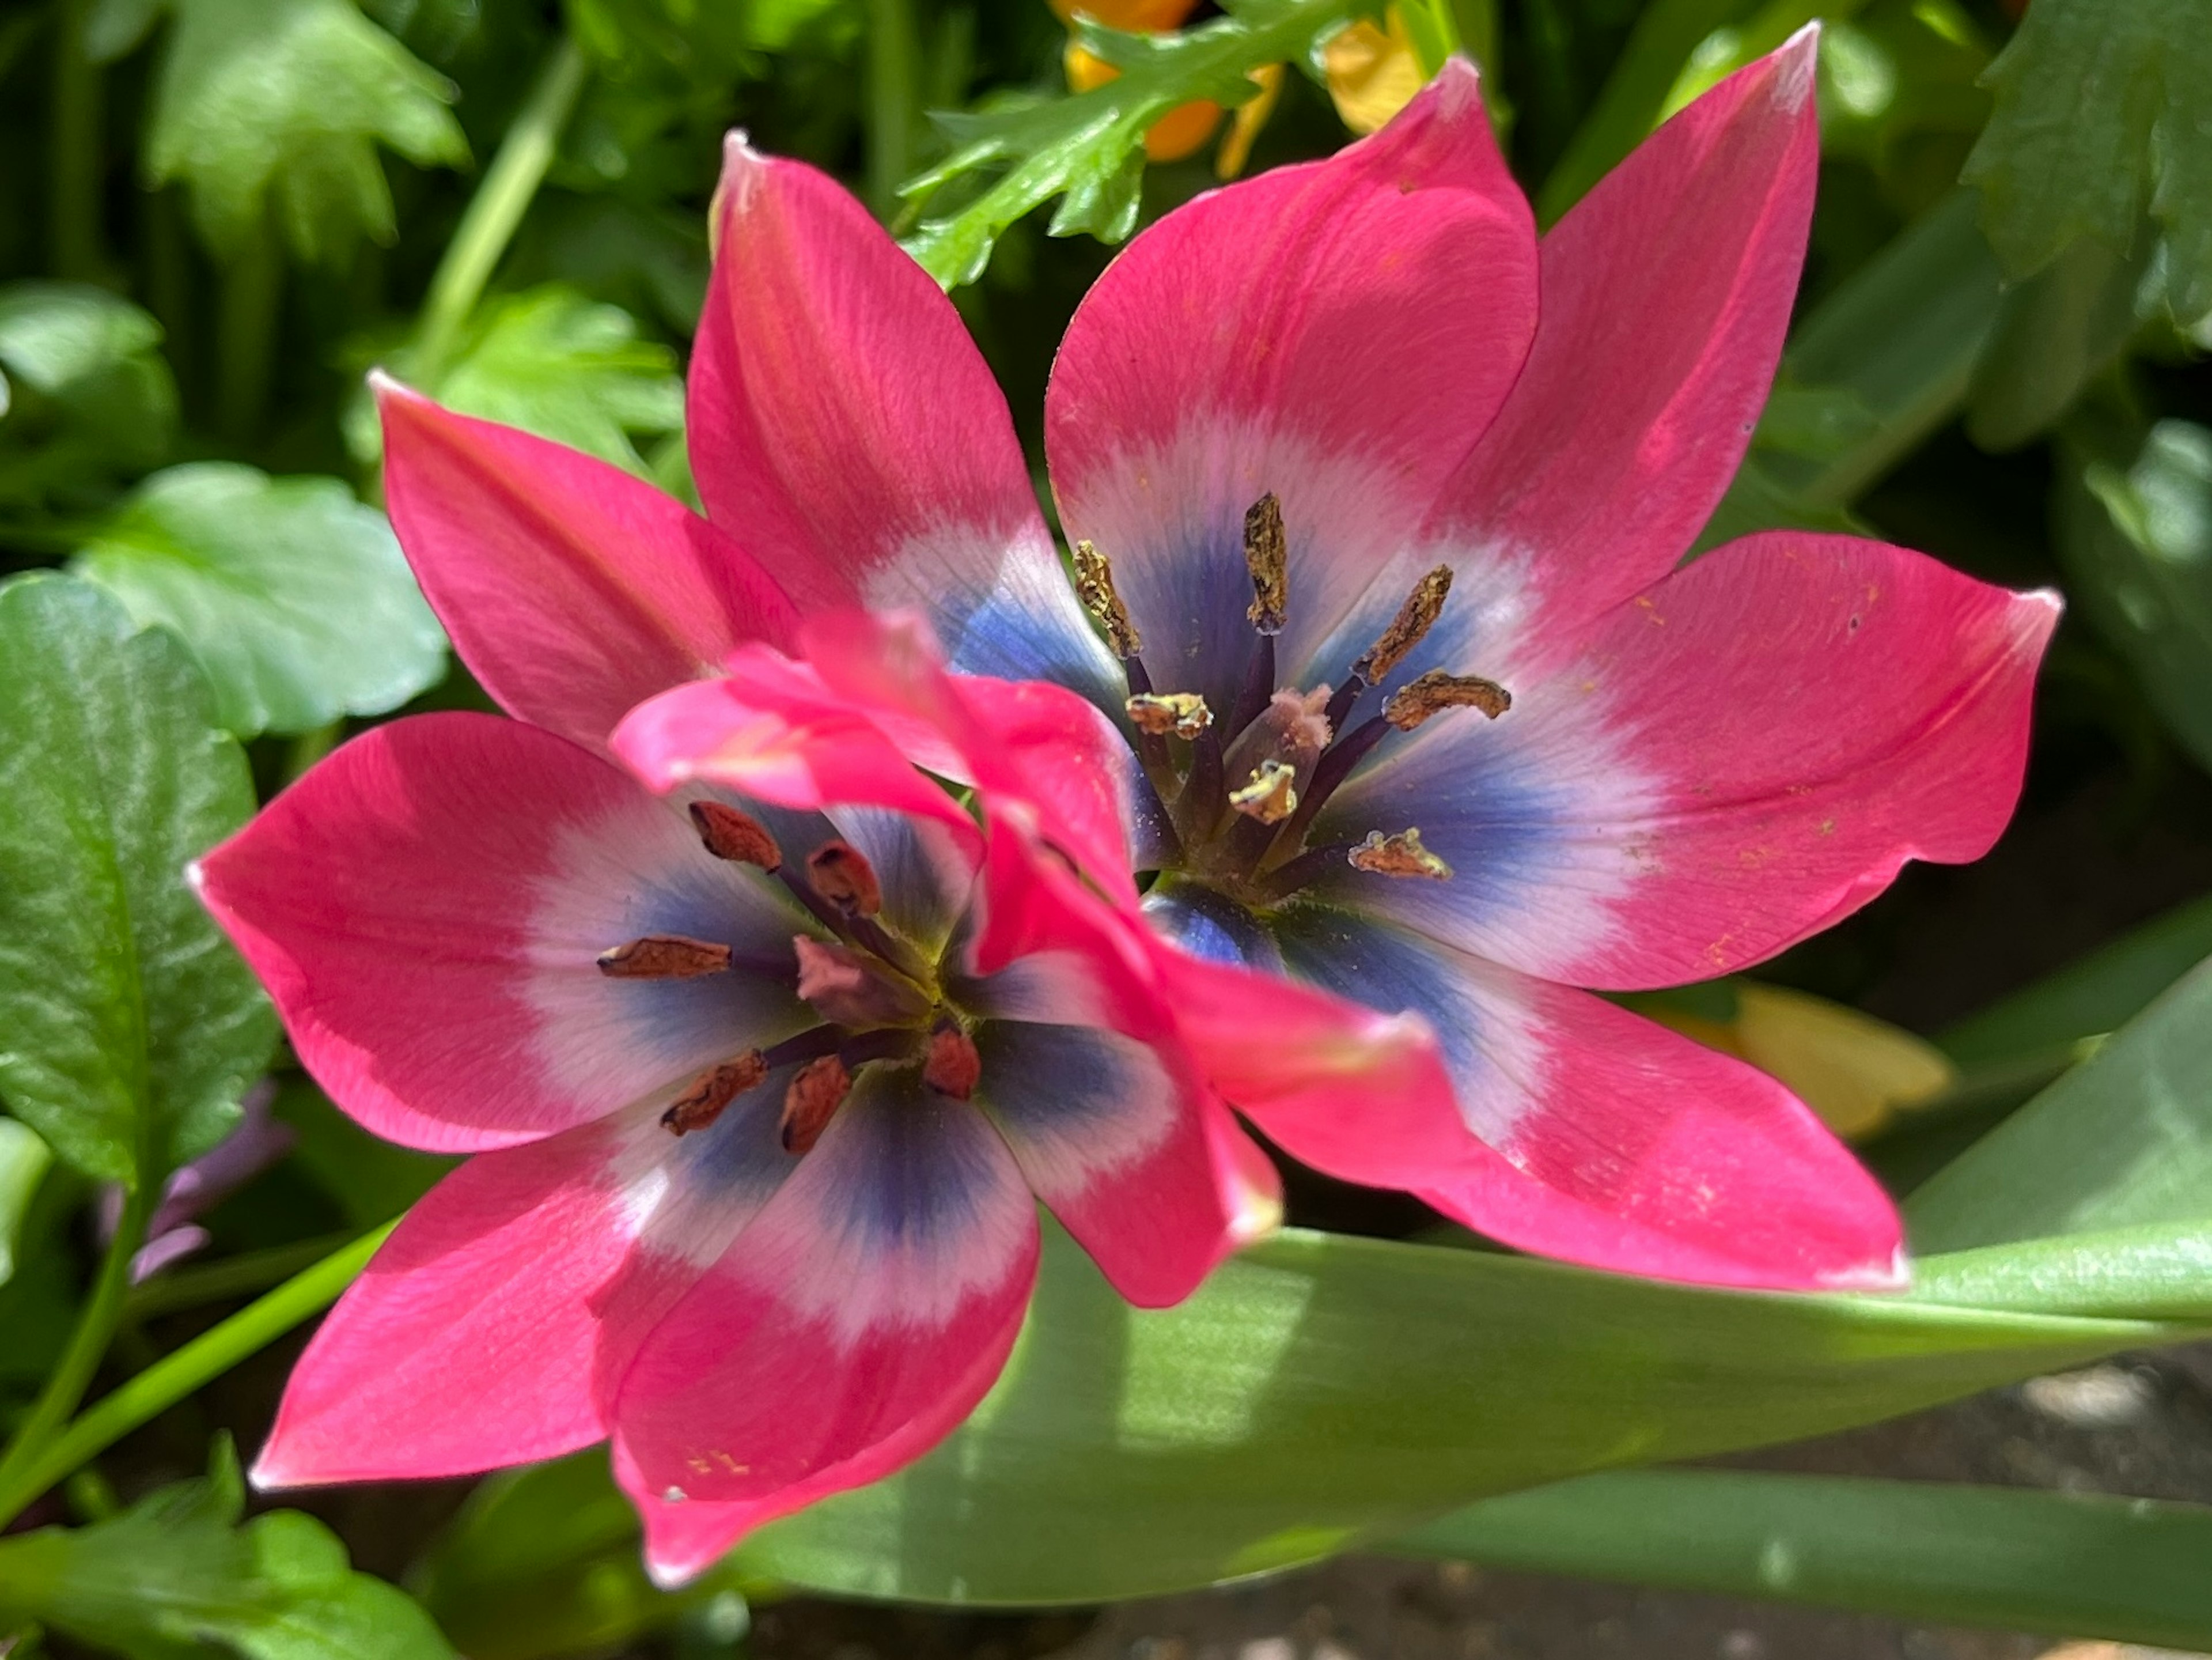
(1373, 73)
(1181, 132)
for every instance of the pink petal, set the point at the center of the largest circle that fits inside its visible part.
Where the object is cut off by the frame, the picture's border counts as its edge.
(844, 423)
(1340, 333)
(1584, 1132)
(492, 1326)
(1666, 293)
(770, 729)
(1346, 1089)
(427, 907)
(1118, 1136)
(1036, 753)
(571, 589)
(861, 1316)
(1730, 764)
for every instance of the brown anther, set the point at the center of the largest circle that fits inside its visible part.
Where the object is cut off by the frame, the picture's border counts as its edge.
(1413, 621)
(713, 1090)
(1436, 691)
(1401, 854)
(842, 875)
(1267, 556)
(1183, 713)
(1270, 795)
(737, 836)
(810, 1100)
(664, 956)
(1094, 586)
(953, 1068)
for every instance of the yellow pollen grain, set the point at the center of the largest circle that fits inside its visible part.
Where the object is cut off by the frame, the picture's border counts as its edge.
(1183, 713)
(1268, 557)
(1436, 691)
(1270, 795)
(1094, 586)
(1401, 854)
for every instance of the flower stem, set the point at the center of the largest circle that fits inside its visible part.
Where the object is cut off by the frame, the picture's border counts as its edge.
(251, 310)
(497, 208)
(88, 1343)
(893, 54)
(233, 1276)
(73, 214)
(175, 1375)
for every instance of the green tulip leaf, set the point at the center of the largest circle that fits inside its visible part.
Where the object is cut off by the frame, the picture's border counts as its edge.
(2073, 1564)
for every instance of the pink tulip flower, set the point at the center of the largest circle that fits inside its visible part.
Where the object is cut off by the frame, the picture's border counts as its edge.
(1378, 723)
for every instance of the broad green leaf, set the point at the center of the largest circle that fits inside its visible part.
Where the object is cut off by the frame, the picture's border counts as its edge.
(278, 106)
(1878, 366)
(128, 1027)
(2055, 332)
(2157, 1271)
(2089, 997)
(1088, 150)
(293, 596)
(2124, 1141)
(54, 335)
(1321, 1392)
(87, 395)
(2135, 533)
(2075, 1564)
(24, 1159)
(569, 368)
(2103, 112)
(177, 1574)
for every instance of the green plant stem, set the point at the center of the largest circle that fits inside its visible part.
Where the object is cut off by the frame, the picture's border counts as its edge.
(95, 1325)
(170, 1379)
(253, 300)
(235, 1276)
(73, 146)
(497, 207)
(894, 57)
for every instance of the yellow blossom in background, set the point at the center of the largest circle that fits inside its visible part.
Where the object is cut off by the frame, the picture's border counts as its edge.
(1855, 1071)
(1372, 73)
